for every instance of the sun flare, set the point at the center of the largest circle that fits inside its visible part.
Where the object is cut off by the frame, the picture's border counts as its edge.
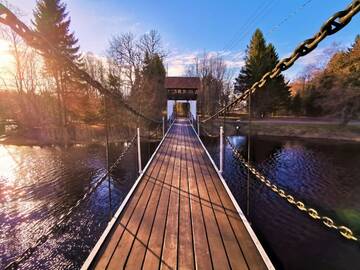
(6, 62)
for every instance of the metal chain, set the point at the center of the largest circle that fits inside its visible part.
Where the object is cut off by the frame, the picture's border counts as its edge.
(313, 213)
(335, 23)
(208, 134)
(41, 44)
(64, 217)
(154, 133)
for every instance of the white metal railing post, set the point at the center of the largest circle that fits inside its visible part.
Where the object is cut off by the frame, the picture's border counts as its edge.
(139, 150)
(221, 149)
(198, 125)
(163, 126)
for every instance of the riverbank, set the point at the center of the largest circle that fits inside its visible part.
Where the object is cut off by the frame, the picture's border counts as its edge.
(311, 131)
(294, 128)
(24, 141)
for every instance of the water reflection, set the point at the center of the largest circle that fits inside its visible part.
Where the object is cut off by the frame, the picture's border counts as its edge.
(39, 184)
(324, 174)
(7, 165)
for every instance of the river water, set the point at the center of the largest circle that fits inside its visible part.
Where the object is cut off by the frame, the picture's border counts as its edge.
(38, 185)
(323, 174)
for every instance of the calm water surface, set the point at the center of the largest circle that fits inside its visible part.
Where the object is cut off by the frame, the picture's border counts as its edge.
(324, 175)
(37, 185)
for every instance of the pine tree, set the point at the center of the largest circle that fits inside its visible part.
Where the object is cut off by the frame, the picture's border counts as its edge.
(261, 58)
(296, 104)
(152, 90)
(52, 21)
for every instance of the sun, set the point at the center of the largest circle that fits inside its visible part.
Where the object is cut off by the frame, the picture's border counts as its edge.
(6, 61)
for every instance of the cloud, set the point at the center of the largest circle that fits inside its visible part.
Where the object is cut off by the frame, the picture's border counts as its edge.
(178, 62)
(317, 58)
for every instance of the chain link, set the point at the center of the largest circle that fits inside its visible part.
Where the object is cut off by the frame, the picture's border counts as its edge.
(61, 222)
(313, 213)
(41, 44)
(335, 23)
(208, 134)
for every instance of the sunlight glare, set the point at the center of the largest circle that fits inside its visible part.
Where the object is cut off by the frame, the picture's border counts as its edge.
(7, 166)
(6, 61)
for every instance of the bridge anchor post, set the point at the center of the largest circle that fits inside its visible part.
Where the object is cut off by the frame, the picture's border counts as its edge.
(163, 119)
(198, 125)
(139, 149)
(221, 149)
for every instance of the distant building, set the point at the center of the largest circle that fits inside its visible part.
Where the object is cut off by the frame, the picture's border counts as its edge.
(182, 96)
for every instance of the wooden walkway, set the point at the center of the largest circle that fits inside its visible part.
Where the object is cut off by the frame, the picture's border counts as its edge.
(180, 216)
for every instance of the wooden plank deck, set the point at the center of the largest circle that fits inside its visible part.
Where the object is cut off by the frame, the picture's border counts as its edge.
(180, 216)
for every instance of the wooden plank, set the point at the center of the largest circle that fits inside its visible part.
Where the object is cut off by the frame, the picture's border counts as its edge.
(186, 250)
(217, 249)
(137, 253)
(170, 245)
(232, 247)
(200, 239)
(123, 248)
(249, 251)
(115, 237)
(180, 216)
(153, 253)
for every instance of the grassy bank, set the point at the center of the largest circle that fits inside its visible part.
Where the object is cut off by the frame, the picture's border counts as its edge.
(299, 130)
(336, 132)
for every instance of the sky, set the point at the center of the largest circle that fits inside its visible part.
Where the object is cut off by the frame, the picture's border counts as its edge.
(189, 28)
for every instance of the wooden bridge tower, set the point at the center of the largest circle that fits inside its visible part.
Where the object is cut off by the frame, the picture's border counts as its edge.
(182, 95)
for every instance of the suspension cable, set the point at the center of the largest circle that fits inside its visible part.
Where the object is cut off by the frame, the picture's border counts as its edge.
(208, 134)
(290, 15)
(335, 23)
(41, 44)
(313, 213)
(64, 217)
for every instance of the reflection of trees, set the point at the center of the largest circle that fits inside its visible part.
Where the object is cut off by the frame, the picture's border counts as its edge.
(261, 149)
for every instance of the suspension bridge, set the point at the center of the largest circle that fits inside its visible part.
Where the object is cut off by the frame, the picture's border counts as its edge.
(180, 212)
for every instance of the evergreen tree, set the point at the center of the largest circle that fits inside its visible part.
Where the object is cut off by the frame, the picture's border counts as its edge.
(152, 95)
(296, 104)
(261, 58)
(312, 101)
(52, 21)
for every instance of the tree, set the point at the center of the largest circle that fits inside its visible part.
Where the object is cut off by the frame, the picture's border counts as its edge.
(215, 79)
(127, 54)
(296, 104)
(153, 94)
(261, 58)
(137, 71)
(334, 88)
(312, 101)
(23, 75)
(340, 83)
(52, 21)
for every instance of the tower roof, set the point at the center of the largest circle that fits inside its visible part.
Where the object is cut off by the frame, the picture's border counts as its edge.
(182, 83)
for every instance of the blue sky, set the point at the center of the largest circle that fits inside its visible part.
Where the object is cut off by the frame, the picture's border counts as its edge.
(189, 28)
